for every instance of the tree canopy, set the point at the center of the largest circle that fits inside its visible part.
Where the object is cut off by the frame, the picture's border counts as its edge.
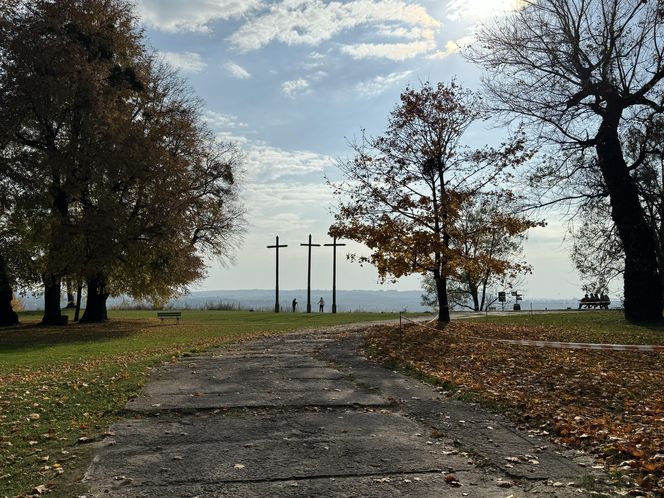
(116, 182)
(405, 193)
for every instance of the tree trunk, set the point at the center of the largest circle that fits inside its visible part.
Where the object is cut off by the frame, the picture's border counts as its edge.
(52, 311)
(52, 276)
(484, 305)
(77, 312)
(95, 307)
(7, 315)
(443, 303)
(71, 304)
(643, 288)
(476, 298)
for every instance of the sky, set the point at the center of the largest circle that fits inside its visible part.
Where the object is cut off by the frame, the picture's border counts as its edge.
(292, 82)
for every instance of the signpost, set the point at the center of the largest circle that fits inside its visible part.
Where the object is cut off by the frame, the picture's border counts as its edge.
(518, 297)
(309, 245)
(276, 296)
(334, 246)
(502, 298)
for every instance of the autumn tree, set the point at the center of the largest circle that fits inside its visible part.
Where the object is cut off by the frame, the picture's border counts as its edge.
(490, 253)
(581, 74)
(404, 193)
(118, 183)
(175, 191)
(62, 61)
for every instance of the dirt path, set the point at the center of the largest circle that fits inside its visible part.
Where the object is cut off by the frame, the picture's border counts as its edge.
(305, 414)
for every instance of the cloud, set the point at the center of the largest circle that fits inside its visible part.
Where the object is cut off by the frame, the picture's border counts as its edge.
(388, 31)
(293, 88)
(192, 15)
(477, 10)
(391, 51)
(287, 222)
(272, 200)
(309, 22)
(318, 75)
(379, 84)
(221, 121)
(188, 62)
(451, 47)
(267, 164)
(314, 61)
(227, 127)
(237, 71)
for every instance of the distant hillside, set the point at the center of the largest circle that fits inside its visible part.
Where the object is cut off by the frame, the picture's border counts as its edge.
(347, 300)
(260, 299)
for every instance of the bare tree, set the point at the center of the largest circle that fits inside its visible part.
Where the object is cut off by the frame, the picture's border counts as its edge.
(597, 251)
(583, 73)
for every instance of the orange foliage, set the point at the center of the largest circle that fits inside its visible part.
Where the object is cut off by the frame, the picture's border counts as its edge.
(17, 304)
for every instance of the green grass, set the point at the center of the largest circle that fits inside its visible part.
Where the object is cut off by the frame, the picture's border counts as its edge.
(586, 326)
(60, 384)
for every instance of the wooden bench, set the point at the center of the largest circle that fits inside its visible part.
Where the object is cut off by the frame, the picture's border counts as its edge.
(164, 315)
(603, 305)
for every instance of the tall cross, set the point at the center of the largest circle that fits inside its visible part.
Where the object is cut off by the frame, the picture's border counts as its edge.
(334, 246)
(309, 245)
(276, 296)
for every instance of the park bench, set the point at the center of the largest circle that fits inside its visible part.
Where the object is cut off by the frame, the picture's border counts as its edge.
(164, 315)
(603, 305)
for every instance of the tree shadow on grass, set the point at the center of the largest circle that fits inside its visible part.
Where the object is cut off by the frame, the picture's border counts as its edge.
(34, 336)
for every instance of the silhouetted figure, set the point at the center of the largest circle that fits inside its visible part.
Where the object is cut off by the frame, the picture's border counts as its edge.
(584, 301)
(321, 305)
(294, 304)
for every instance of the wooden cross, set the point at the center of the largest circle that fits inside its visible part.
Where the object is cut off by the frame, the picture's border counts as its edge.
(309, 245)
(276, 297)
(334, 246)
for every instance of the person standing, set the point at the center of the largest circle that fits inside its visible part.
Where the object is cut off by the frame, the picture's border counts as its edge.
(294, 304)
(321, 305)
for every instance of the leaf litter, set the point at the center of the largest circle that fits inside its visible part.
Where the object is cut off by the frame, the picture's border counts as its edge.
(610, 403)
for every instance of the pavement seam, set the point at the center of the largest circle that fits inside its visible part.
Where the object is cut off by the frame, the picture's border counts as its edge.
(307, 478)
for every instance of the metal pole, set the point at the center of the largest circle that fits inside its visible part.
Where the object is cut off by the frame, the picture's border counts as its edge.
(309, 277)
(334, 246)
(400, 335)
(276, 287)
(310, 245)
(334, 278)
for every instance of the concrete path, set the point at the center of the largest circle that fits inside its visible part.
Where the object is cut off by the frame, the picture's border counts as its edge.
(305, 414)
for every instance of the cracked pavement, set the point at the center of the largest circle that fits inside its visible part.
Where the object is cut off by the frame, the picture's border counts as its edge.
(305, 414)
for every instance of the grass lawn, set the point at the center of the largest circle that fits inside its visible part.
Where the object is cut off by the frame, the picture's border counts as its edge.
(608, 402)
(61, 387)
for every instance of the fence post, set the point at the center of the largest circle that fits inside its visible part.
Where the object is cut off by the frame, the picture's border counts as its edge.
(401, 334)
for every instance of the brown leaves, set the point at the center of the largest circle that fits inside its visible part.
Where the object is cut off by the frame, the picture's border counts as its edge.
(406, 195)
(608, 402)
